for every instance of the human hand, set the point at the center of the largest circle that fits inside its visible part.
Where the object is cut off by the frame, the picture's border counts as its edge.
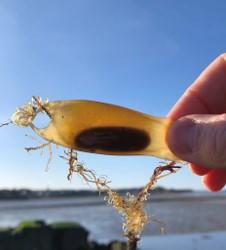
(198, 135)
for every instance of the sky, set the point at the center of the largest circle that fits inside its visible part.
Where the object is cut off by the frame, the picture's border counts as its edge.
(138, 54)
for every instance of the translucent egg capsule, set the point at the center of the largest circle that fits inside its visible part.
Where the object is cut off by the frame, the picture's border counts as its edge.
(106, 129)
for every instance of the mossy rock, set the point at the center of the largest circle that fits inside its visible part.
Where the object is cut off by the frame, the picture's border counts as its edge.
(69, 236)
(96, 246)
(5, 238)
(32, 234)
(5, 230)
(117, 245)
(65, 225)
(29, 224)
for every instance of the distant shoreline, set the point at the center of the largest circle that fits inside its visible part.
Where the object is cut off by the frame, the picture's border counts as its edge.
(25, 194)
(84, 201)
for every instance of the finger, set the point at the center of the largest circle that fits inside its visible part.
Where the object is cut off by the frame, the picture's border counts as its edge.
(199, 139)
(207, 95)
(215, 179)
(199, 170)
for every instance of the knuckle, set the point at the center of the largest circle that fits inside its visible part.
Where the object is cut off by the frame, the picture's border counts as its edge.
(214, 144)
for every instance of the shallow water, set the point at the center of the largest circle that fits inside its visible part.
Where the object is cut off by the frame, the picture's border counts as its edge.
(181, 213)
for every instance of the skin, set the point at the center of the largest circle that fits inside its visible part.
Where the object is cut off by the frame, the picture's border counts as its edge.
(207, 95)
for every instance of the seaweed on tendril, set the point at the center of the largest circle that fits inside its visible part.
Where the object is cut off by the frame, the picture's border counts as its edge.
(131, 207)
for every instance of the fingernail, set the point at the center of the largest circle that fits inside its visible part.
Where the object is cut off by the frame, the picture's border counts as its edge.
(181, 137)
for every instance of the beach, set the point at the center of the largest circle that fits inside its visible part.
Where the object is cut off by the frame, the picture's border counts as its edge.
(192, 221)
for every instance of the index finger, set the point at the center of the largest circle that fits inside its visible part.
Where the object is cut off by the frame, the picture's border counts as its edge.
(207, 95)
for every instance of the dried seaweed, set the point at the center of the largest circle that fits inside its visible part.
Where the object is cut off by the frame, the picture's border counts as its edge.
(131, 207)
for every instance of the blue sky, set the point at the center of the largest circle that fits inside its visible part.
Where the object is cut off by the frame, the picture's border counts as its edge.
(139, 54)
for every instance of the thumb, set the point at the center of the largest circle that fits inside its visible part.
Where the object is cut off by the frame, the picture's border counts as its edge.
(199, 139)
